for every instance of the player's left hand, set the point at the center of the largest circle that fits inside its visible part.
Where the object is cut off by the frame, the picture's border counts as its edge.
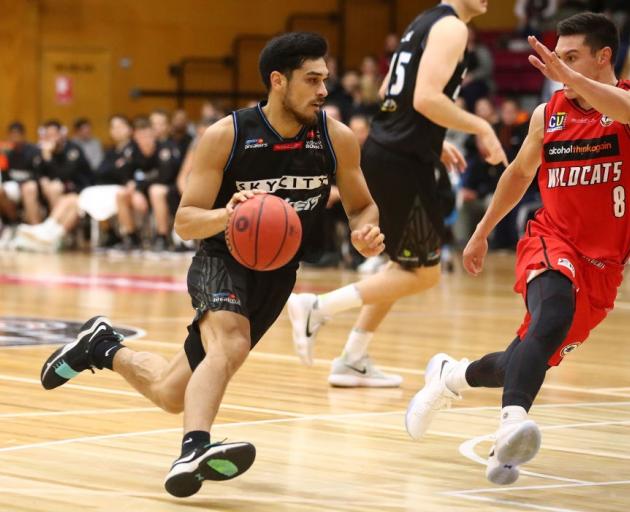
(475, 254)
(549, 64)
(368, 240)
(452, 157)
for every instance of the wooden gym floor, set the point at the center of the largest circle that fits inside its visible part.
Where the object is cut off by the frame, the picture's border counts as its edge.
(96, 445)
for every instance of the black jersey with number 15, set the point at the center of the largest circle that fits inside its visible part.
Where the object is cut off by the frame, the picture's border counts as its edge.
(398, 126)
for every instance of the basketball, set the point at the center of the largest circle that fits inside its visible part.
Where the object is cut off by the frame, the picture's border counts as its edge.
(264, 233)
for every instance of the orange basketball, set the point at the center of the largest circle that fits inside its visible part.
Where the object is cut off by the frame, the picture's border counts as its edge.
(264, 233)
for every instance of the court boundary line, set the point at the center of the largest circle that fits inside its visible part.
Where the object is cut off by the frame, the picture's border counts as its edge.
(498, 502)
(73, 412)
(457, 410)
(326, 362)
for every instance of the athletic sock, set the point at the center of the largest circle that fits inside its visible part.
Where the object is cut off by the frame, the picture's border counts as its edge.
(511, 414)
(456, 378)
(54, 227)
(357, 344)
(104, 352)
(193, 439)
(329, 304)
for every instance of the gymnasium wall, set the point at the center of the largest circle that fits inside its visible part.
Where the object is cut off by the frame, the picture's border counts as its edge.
(64, 58)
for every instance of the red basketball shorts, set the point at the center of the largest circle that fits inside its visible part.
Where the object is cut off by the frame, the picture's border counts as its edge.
(595, 282)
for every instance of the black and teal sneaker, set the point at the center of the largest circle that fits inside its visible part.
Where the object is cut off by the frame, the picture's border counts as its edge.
(68, 361)
(216, 461)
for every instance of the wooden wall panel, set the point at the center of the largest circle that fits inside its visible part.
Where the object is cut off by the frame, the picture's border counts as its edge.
(155, 33)
(500, 15)
(367, 25)
(148, 35)
(19, 67)
(87, 76)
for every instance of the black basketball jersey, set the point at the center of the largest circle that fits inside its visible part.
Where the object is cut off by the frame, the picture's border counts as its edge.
(398, 125)
(300, 170)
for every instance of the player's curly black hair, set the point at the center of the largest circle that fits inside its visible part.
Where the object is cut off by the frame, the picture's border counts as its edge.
(288, 52)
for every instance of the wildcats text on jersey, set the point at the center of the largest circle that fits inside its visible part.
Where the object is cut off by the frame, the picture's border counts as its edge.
(606, 172)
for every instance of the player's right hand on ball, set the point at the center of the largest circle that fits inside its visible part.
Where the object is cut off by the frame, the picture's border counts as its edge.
(474, 254)
(368, 240)
(241, 197)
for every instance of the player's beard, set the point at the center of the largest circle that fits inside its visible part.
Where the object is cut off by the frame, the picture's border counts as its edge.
(300, 117)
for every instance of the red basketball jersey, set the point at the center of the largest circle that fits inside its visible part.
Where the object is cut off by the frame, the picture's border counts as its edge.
(584, 179)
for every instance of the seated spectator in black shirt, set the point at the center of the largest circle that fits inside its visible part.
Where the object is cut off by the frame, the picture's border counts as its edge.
(64, 168)
(175, 194)
(167, 161)
(132, 199)
(350, 99)
(478, 81)
(180, 131)
(478, 181)
(65, 172)
(91, 146)
(19, 183)
(119, 164)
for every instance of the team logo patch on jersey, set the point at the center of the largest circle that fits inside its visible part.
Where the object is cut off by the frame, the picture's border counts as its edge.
(563, 262)
(557, 122)
(44, 331)
(569, 348)
(225, 298)
(255, 144)
(406, 256)
(314, 144)
(165, 154)
(605, 120)
(389, 105)
(289, 146)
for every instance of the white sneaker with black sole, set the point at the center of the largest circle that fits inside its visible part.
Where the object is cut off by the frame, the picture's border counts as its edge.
(304, 327)
(515, 445)
(360, 374)
(433, 397)
(216, 461)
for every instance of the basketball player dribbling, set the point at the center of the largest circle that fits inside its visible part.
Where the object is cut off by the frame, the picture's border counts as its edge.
(399, 160)
(569, 263)
(285, 146)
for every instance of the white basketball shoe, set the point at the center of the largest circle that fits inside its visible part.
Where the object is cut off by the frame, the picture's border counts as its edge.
(433, 397)
(516, 444)
(305, 323)
(360, 374)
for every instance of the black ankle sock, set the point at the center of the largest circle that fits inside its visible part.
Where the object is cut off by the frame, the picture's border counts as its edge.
(193, 439)
(104, 352)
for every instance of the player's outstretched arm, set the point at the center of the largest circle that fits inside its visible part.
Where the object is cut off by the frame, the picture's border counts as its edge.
(195, 218)
(444, 48)
(605, 98)
(511, 187)
(360, 208)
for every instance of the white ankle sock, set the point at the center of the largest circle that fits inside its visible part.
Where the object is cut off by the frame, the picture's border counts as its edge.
(341, 299)
(57, 229)
(357, 344)
(513, 414)
(456, 378)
